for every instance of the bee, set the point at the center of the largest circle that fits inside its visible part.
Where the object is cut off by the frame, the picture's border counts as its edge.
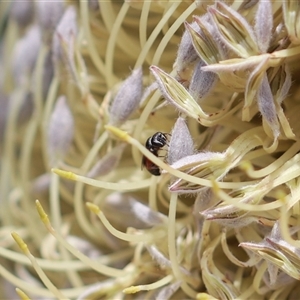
(154, 143)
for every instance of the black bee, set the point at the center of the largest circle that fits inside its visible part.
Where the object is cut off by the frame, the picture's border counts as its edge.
(154, 144)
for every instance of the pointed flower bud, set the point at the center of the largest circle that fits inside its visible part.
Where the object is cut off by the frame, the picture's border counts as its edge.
(22, 12)
(263, 25)
(234, 73)
(127, 99)
(202, 82)
(259, 248)
(83, 246)
(234, 30)
(275, 239)
(60, 131)
(25, 54)
(41, 183)
(217, 286)
(291, 12)
(107, 163)
(148, 92)
(215, 165)
(204, 165)
(48, 16)
(229, 216)
(277, 252)
(176, 94)
(204, 40)
(64, 39)
(181, 143)
(266, 106)
(134, 213)
(94, 5)
(26, 109)
(247, 4)
(4, 112)
(48, 72)
(168, 291)
(186, 55)
(163, 261)
(281, 83)
(253, 84)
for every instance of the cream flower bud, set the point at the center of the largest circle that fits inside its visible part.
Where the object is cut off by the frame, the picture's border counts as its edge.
(60, 131)
(277, 252)
(234, 73)
(281, 83)
(181, 143)
(207, 41)
(247, 4)
(176, 94)
(203, 165)
(291, 11)
(234, 30)
(127, 99)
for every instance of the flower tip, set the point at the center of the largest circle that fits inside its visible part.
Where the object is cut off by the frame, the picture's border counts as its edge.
(153, 68)
(20, 242)
(204, 296)
(215, 186)
(21, 294)
(92, 207)
(122, 135)
(187, 25)
(41, 212)
(131, 290)
(246, 166)
(281, 195)
(64, 174)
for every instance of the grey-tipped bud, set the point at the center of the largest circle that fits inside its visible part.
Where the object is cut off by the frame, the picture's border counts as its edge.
(181, 143)
(22, 12)
(263, 25)
(202, 82)
(267, 107)
(48, 16)
(25, 54)
(186, 54)
(107, 163)
(64, 39)
(60, 131)
(127, 99)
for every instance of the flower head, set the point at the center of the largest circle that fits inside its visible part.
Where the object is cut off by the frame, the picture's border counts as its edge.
(220, 219)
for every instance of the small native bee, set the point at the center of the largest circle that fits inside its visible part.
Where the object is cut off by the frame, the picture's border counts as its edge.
(154, 143)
